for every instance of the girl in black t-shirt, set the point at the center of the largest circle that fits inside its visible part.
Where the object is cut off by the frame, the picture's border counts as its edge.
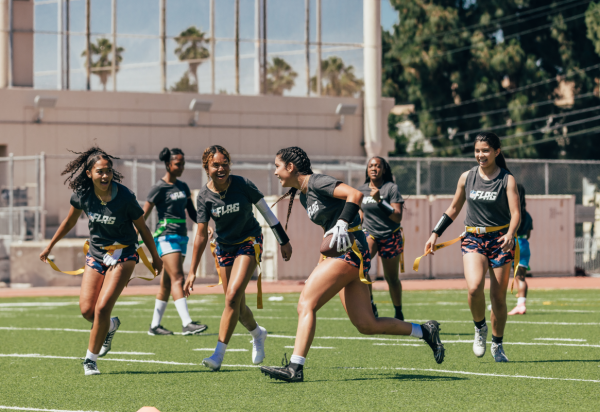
(113, 212)
(172, 199)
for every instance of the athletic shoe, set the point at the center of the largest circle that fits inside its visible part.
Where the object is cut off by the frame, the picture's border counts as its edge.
(258, 347)
(431, 335)
(479, 344)
(374, 307)
(90, 367)
(159, 330)
(194, 328)
(212, 363)
(290, 372)
(109, 337)
(518, 310)
(498, 352)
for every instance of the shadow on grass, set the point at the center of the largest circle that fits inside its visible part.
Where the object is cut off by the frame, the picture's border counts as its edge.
(167, 372)
(558, 361)
(409, 377)
(457, 334)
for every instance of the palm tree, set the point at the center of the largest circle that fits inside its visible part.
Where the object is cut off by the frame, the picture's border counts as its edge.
(339, 79)
(102, 66)
(280, 77)
(185, 85)
(191, 49)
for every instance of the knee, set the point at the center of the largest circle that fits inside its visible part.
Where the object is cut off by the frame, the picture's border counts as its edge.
(102, 311)
(88, 313)
(233, 298)
(365, 328)
(498, 298)
(475, 291)
(305, 307)
(393, 281)
(177, 282)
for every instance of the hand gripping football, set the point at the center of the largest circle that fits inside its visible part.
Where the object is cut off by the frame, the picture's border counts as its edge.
(333, 251)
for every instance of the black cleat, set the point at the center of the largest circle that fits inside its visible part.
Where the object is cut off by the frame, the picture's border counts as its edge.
(290, 372)
(431, 335)
(374, 307)
(90, 367)
(159, 330)
(194, 328)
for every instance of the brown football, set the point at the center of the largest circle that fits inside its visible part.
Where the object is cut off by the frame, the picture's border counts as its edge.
(332, 251)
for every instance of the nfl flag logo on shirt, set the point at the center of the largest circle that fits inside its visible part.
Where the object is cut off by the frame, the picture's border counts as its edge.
(473, 194)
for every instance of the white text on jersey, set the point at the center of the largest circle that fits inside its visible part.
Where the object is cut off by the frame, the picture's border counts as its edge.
(481, 195)
(312, 209)
(177, 195)
(368, 199)
(98, 218)
(223, 210)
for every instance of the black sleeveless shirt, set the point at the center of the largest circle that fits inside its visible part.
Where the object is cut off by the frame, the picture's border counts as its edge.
(487, 202)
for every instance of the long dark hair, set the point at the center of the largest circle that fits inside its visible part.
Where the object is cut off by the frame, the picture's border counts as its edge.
(493, 140)
(387, 170)
(78, 180)
(166, 154)
(521, 191)
(298, 158)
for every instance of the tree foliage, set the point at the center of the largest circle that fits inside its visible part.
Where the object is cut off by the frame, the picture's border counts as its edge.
(190, 49)
(101, 59)
(280, 76)
(339, 79)
(515, 67)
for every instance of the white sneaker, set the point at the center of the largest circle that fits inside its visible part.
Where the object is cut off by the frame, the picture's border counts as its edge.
(498, 353)
(90, 367)
(213, 363)
(479, 344)
(258, 347)
(106, 346)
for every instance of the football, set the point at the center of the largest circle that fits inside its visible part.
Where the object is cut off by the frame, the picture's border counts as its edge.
(332, 251)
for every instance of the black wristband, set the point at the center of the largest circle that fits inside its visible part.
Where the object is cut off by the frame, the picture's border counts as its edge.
(385, 207)
(349, 212)
(442, 225)
(280, 234)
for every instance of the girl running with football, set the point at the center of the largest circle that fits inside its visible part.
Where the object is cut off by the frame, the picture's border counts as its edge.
(114, 215)
(172, 198)
(493, 214)
(381, 216)
(228, 200)
(334, 206)
(523, 235)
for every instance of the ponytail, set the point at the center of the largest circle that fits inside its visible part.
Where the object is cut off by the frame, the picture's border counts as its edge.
(165, 155)
(493, 140)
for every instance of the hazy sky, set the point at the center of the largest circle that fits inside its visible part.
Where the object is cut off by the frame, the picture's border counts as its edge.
(341, 23)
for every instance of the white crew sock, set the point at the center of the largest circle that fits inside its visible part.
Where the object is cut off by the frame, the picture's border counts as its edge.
(256, 332)
(113, 325)
(182, 309)
(417, 332)
(299, 360)
(91, 356)
(220, 351)
(159, 310)
(521, 301)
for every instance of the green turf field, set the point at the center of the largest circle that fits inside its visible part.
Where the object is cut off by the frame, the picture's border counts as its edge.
(554, 354)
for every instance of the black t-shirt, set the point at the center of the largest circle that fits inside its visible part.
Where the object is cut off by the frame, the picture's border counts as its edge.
(234, 220)
(375, 220)
(526, 225)
(170, 201)
(111, 223)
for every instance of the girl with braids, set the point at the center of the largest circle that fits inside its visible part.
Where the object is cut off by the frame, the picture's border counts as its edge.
(228, 200)
(334, 206)
(172, 198)
(493, 215)
(114, 214)
(522, 266)
(381, 216)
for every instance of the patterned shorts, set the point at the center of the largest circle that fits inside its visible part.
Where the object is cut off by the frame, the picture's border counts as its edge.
(390, 247)
(488, 245)
(101, 268)
(227, 253)
(351, 258)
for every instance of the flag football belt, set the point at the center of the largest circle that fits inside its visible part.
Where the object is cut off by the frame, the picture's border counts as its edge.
(401, 253)
(479, 231)
(110, 250)
(163, 226)
(256, 245)
(356, 251)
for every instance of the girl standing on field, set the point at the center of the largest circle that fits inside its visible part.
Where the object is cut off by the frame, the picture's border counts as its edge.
(493, 214)
(381, 216)
(334, 206)
(114, 214)
(522, 266)
(228, 200)
(172, 198)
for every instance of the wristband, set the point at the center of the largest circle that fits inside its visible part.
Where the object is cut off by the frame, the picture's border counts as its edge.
(385, 207)
(280, 234)
(349, 212)
(442, 225)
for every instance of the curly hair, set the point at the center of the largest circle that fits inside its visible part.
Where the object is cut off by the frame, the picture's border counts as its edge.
(210, 152)
(387, 170)
(165, 155)
(298, 158)
(78, 180)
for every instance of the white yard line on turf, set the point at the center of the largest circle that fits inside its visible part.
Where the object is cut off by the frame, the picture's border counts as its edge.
(563, 339)
(585, 345)
(112, 352)
(45, 304)
(313, 347)
(228, 350)
(18, 408)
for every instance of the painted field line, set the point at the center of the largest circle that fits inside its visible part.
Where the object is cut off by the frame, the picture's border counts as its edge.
(491, 375)
(51, 304)
(562, 339)
(514, 322)
(398, 344)
(585, 345)
(112, 352)
(228, 350)
(19, 408)
(313, 347)
(64, 330)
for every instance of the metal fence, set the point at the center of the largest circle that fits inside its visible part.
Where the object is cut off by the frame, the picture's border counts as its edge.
(587, 256)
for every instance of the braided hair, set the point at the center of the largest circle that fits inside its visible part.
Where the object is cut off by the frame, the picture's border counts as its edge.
(210, 152)
(493, 140)
(78, 180)
(387, 170)
(166, 155)
(298, 158)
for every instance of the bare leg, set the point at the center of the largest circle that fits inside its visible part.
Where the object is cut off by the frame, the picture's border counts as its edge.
(373, 251)
(91, 284)
(173, 277)
(391, 270)
(114, 281)
(498, 285)
(521, 272)
(476, 266)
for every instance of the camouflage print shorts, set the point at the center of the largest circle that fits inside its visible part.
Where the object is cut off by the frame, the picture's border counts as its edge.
(488, 245)
(389, 247)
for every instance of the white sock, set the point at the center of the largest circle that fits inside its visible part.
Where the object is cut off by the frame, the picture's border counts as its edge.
(521, 301)
(91, 356)
(256, 332)
(182, 309)
(113, 325)
(159, 310)
(299, 360)
(417, 332)
(220, 350)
